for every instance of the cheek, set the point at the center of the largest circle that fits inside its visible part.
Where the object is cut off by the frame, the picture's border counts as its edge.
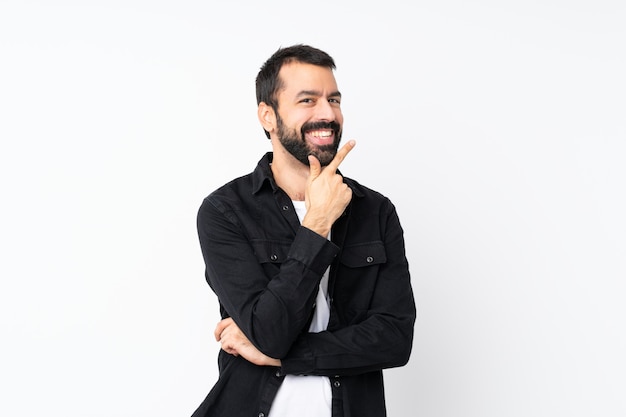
(339, 116)
(294, 122)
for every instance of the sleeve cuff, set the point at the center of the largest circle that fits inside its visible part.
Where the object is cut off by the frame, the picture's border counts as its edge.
(313, 250)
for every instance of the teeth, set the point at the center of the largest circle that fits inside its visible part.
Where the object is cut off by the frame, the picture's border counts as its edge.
(322, 133)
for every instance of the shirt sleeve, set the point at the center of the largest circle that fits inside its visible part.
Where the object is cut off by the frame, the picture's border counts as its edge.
(381, 339)
(270, 310)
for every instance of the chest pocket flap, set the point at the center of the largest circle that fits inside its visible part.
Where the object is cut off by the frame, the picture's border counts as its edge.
(268, 251)
(364, 254)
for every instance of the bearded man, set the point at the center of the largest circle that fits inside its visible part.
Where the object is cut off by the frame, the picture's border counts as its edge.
(309, 267)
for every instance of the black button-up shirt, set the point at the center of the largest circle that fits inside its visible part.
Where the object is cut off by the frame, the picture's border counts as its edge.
(265, 269)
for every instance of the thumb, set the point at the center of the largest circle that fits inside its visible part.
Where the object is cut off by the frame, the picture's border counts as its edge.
(315, 167)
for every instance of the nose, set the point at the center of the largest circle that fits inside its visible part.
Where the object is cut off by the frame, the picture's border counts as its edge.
(325, 111)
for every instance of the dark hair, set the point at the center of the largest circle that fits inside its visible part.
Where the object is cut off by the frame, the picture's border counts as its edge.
(267, 81)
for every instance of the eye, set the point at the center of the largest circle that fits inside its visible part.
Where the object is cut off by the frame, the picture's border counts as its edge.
(334, 100)
(306, 100)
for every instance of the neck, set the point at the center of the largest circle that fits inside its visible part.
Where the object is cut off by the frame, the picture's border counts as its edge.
(290, 174)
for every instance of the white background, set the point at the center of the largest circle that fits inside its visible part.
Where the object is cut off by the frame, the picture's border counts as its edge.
(497, 128)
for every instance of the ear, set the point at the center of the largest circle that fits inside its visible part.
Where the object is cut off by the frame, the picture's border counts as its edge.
(267, 117)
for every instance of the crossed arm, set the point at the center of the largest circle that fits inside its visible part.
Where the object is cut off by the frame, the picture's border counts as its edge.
(326, 198)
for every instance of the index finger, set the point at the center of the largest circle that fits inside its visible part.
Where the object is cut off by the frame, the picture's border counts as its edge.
(341, 155)
(220, 328)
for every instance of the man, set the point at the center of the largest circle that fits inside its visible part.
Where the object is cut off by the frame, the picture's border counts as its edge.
(309, 267)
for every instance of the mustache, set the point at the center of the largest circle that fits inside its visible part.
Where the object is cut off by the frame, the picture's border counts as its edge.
(320, 125)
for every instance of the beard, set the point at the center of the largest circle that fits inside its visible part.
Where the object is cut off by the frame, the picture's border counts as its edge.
(298, 147)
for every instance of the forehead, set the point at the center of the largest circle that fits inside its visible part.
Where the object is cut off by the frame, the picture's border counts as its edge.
(297, 76)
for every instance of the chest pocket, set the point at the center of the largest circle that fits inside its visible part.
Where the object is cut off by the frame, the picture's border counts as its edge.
(364, 254)
(270, 252)
(356, 282)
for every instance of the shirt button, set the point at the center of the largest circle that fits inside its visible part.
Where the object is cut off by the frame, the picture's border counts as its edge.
(278, 374)
(274, 257)
(285, 208)
(369, 259)
(261, 414)
(337, 384)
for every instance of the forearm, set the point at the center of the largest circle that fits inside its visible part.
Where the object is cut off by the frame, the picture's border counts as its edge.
(375, 344)
(267, 288)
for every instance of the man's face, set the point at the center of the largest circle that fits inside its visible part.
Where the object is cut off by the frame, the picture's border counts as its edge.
(309, 119)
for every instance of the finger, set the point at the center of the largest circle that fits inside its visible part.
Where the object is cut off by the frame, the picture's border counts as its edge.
(315, 167)
(220, 328)
(230, 350)
(341, 155)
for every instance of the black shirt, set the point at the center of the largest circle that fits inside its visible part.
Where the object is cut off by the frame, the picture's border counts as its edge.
(265, 269)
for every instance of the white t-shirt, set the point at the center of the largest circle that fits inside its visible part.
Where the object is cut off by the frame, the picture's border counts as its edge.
(307, 395)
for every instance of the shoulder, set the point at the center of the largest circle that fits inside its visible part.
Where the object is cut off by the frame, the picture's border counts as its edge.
(368, 199)
(242, 188)
(230, 194)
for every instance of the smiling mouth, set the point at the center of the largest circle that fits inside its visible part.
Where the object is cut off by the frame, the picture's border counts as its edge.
(320, 137)
(321, 133)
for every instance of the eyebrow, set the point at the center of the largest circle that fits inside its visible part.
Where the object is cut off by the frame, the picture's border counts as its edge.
(316, 93)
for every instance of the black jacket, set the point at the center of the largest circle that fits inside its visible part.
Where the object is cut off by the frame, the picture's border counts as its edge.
(265, 269)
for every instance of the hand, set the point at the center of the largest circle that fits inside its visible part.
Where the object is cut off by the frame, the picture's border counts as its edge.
(326, 196)
(236, 343)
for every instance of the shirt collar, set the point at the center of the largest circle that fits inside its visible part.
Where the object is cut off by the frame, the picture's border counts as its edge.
(263, 173)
